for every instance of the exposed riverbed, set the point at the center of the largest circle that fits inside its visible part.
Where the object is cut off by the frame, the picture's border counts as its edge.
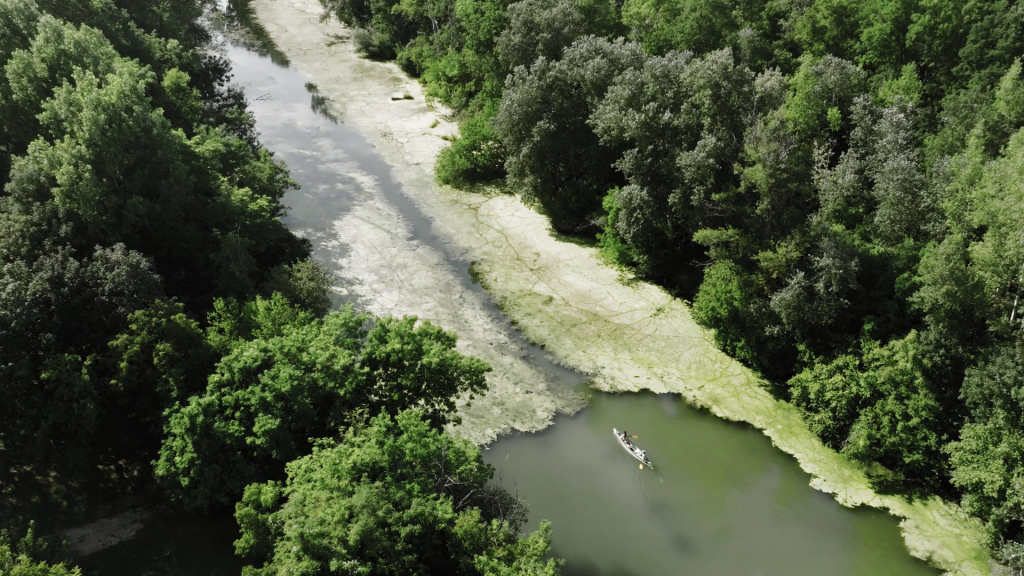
(722, 501)
(387, 258)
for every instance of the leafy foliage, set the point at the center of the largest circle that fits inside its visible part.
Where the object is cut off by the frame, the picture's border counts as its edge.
(989, 456)
(836, 184)
(286, 378)
(475, 156)
(394, 497)
(156, 312)
(553, 156)
(134, 193)
(25, 556)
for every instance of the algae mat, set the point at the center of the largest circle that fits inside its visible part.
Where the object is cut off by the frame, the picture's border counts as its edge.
(629, 335)
(384, 255)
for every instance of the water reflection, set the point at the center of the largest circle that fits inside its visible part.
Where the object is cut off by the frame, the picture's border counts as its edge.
(319, 103)
(238, 21)
(585, 568)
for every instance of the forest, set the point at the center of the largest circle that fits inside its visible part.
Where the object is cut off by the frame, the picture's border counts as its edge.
(832, 184)
(836, 186)
(163, 335)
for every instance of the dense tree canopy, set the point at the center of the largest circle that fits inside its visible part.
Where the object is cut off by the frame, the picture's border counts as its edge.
(836, 185)
(552, 153)
(286, 378)
(131, 179)
(394, 496)
(162, 333)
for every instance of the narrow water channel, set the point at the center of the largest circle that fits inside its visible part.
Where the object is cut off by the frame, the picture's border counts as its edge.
(721, 501)
(338, 169)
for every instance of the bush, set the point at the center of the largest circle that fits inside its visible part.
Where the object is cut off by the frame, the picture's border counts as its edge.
(613, 248)
(728, 304)
(22, 557)
(417, 57)
(373, 44)
(476, 156)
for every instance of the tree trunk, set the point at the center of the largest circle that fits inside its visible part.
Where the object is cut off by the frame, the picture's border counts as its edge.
(1016, 298)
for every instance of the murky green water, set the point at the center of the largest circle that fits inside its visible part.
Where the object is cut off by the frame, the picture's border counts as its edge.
(722, 500)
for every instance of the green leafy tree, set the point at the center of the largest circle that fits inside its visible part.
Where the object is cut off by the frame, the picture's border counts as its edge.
(139, 182)
(161, 358)
(988, 457)
(23, 557)
(55, 399)
(131, 178)
(725, 303)
(304, 283)
(998, 256)
(18, 20)
(552, 155)
(545, 28)
(395, 497)
(33, 75)
(951, 294)
(819, 86)
(880, 408)
(829, 27)
(462, 67)
(678, 120)
(697, 26)
(382, 26)
(476, 155)
(288, 378)
(832, 395)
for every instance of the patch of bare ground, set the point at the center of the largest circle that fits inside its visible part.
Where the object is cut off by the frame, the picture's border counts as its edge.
(95, 536)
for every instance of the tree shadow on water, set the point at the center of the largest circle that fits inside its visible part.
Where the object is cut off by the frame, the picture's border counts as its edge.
(244, 28)
(319, 103)
(588, 568)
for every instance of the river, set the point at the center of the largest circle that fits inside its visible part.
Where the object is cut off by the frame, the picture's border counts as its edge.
(721, 501)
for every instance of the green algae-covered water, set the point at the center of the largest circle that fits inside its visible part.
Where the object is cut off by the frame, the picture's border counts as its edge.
(721, 501)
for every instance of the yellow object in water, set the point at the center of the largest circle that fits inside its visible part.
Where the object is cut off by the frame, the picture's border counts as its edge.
(641, 466)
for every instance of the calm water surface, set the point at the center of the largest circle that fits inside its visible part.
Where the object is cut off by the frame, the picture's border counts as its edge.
(722, 500)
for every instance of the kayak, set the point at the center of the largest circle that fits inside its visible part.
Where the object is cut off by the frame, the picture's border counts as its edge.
(633, 449)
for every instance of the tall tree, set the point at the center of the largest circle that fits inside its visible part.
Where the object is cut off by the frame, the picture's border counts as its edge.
(395, 497)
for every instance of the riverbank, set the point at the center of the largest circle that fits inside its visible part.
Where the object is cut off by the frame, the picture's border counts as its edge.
(628, 334)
